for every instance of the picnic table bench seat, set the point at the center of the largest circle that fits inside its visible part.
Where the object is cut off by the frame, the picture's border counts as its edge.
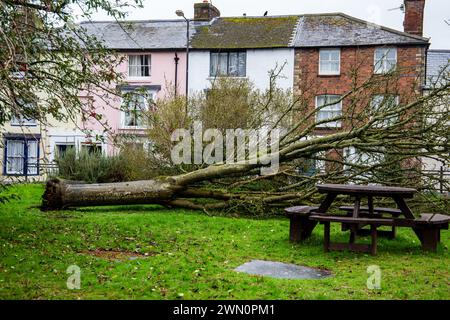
(376, 210)
(301, 226)
(427, 227)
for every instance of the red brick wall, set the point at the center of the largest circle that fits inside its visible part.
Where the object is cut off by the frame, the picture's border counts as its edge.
(357, 66)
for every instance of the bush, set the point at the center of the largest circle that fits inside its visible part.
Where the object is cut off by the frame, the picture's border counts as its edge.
(97, 168)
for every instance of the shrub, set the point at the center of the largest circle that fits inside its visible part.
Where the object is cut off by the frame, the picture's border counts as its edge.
(92, 167)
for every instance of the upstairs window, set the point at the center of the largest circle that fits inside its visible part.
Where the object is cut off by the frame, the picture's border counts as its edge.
(27, 108)
(329, 107)
(134, 106)
(228, 64)
(385, 103)
(22, 157)
(139, 66)
(385, 60)
(329, 62)
(21, 121)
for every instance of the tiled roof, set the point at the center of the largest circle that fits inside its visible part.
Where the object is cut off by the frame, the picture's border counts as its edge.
(315, 30)
(338, 29)
(437, 62)
(246, 32)
(152, 34)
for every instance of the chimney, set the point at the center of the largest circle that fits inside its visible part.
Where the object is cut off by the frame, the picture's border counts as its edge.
(414, 14)
(205, 11)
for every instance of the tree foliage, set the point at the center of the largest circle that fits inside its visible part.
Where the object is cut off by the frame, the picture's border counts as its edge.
(50, 66)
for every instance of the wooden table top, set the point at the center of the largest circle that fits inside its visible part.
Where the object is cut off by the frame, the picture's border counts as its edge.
(366, 190)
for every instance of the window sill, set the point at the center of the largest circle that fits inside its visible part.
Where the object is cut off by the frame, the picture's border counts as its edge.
(328, 127)
(21, 175)
(335, 75)
(133, 128)
(136, 79)
(23, 125)
(228, 77)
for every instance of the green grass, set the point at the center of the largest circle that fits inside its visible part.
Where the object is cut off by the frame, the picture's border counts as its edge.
(192, 256)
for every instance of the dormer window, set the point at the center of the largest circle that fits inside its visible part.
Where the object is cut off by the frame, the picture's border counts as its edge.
(139, 66)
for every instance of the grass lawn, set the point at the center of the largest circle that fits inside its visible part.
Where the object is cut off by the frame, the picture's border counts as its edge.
(189, 255)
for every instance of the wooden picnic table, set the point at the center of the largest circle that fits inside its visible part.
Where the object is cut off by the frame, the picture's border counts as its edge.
(398, 194)
(304, 219)
(427, 227)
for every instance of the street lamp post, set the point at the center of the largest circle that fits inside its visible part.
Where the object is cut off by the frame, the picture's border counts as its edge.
(180, 13)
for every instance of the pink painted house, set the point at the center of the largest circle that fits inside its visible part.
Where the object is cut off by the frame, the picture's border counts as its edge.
(154, 63)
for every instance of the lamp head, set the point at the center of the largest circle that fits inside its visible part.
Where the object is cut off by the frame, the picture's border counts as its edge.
(180, 13)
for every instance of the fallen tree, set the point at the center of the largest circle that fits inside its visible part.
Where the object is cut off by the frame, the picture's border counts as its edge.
(403, 134)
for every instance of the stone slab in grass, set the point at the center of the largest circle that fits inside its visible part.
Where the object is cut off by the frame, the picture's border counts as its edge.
(281, 270)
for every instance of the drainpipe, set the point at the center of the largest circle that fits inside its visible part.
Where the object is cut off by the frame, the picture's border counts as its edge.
(176, 59)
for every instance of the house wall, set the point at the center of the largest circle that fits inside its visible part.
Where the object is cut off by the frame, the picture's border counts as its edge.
(357, 66)
(259, 63)
(162, 74)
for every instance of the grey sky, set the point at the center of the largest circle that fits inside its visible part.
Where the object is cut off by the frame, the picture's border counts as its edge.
(377, 11)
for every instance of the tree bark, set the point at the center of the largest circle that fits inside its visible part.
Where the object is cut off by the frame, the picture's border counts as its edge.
(60, 194)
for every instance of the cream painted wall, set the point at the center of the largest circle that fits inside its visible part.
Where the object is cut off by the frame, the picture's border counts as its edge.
(259, 63)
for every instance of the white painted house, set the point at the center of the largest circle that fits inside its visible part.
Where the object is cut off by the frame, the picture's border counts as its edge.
(243, 48)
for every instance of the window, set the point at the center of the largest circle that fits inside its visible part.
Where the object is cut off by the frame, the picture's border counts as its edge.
(139, 66)
(22, 157)
(61, 149)
(28, 108)
(385, 103)
(21, 121)
(311, 166)
(330, 108)
(330, 62)
(134, 106)
(231, 64)
(385, 60)
(92, 148)
(353, 156)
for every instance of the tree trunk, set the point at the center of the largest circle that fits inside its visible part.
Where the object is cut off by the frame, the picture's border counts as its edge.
(60, 194)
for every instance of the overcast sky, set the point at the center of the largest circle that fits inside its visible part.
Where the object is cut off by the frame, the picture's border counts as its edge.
(377, 11)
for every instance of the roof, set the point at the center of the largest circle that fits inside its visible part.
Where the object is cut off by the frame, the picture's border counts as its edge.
(338, 29)
(150, 34)
(246, 32)
(312, 30)
(437, 62)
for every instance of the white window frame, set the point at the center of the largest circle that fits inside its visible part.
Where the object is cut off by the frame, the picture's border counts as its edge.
(139, 65)
(352, 155)
(21, 121)
(329, 61)
(152, 95)
(383, 68)
(214, 73)
(330, 108)
(389, 121)
(85, 145)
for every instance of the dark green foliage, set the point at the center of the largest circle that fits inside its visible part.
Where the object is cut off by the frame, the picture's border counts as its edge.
(95, 167)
